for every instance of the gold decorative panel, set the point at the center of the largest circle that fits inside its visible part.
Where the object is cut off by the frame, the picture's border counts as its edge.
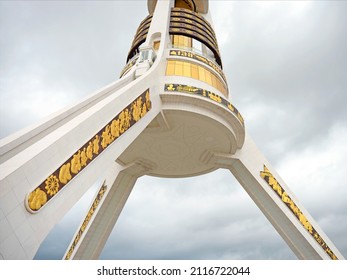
(56, 181)
(283, 195)
(86, 221)
(204, 93)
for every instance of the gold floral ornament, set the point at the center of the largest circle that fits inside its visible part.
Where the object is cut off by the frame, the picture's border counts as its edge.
(170, 87)
(76, 163)
(96, 145)
(84, 158)
(148, 101)
(137, 109)
(106, 137)
(89, 151)
(215, 97)
(231, 107)
(37, 199)
(52, 185)
(115, 129)
(64, 173)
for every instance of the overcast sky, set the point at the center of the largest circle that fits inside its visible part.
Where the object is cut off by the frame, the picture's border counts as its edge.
(286, 64)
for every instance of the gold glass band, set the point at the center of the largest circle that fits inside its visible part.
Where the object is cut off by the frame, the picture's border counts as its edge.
(195, 71)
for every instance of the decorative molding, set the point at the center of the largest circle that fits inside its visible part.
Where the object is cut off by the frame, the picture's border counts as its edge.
(56, 181)
(282, 194)
(86, 221)
(204, 93)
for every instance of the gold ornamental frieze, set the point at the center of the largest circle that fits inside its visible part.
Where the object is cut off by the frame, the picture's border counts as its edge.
(56, 181)
(204, 93)
(86, 221)
(286, 199)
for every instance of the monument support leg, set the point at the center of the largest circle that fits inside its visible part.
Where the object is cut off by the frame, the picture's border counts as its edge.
(119, 183)
(278, 203)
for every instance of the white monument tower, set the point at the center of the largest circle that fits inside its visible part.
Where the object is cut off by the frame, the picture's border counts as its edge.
(169, 115)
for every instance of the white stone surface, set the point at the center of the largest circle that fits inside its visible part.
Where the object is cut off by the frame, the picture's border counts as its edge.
(18, 216)
(8, 202)
(11, 249)
(5, 229)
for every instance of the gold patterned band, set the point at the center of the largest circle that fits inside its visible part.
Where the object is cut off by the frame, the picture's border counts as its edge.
(283, 195)
(88, 152)
(204, 93)
(86, 221)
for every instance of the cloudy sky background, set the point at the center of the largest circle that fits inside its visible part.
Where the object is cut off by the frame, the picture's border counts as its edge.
(286, 63)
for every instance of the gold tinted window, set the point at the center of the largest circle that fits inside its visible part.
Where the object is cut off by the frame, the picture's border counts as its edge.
(156, 45)
(170, 69)
(195, 72)
(201, 73)
(192, 70)
(187, 69)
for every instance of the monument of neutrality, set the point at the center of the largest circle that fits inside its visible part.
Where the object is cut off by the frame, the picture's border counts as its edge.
(169, 115)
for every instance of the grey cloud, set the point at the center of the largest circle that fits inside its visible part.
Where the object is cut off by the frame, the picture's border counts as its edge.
(60, 47)
(294, 64)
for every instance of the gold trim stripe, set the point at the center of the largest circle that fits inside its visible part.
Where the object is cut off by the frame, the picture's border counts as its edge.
(86, 221)
(55, 182)
(282, 194)
(204, 93)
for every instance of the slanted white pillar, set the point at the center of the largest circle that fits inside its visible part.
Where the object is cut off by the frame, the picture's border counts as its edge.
(280, 206)
(96, 228)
